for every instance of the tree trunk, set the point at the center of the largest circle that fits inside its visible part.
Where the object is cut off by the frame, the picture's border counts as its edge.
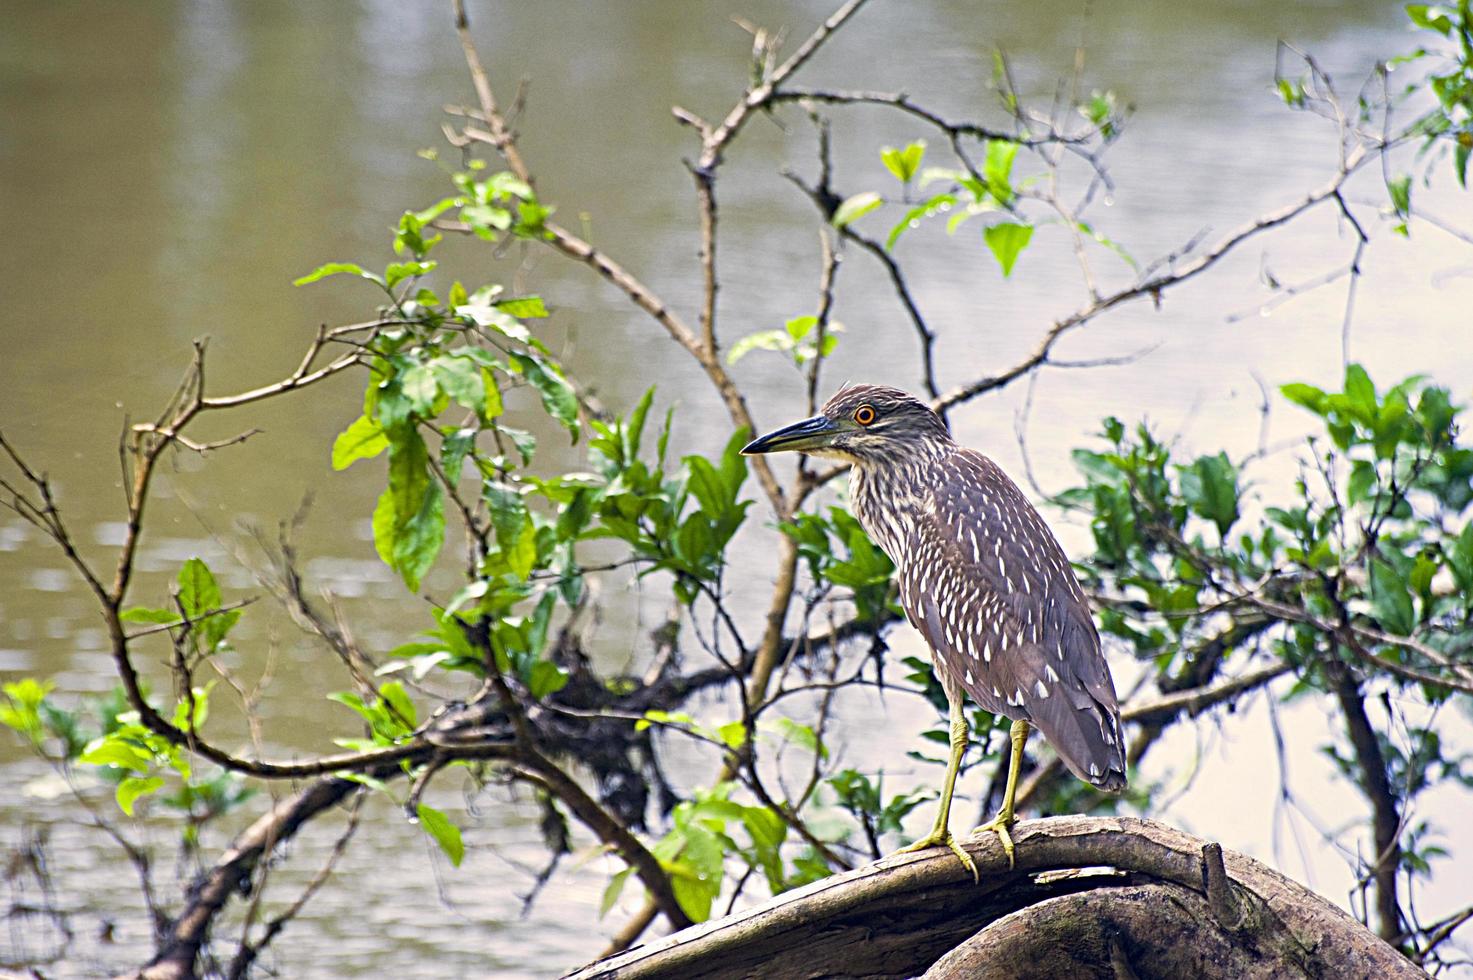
(1090, 897)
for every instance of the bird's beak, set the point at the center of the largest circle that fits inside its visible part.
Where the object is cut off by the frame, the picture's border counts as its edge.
(809, 434)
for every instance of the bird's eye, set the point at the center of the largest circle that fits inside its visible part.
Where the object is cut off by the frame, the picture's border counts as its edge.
(864, 414)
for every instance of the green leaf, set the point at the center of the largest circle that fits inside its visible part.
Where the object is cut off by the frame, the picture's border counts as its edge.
(694, 895)
(141, 614)
(558, 397)
(525, 442)
(799, 734)
(855, 208)
(397, 272)
(411, 229)
(1361, 392)
(1210, 488)
(201, 709)
(707, 485)
(445, 833)
(1400, 189)
(933, 206)
(493, 407)
(351, 700)
(1423, 572)
(1007, 240)
(470, 592)
(21, 711)
(1308, 396)
(385, 528)
(777, 340)
(418, 542)
(612, 890)
(198, 591)
(1391, 600)
(999, 168)
(422, 389)
(733, 734)
(486, 315)
(454, 447)
(524, 307)
(460, 378)
(1431, 17)
(546, 678)
(800, 326)
(394, 695)
(337, 269)
(113, 750)
(516, 535)
(409, 521)
(1362, 481)
(132, 787)
(364, 439)
(904, 163)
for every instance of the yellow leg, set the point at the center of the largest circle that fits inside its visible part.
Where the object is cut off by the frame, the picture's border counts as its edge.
(1001, 823)
(939, 833)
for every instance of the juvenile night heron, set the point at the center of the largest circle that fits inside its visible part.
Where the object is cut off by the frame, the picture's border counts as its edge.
(983, 579)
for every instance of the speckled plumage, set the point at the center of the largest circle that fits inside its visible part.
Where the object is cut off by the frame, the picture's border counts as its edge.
(984, 580)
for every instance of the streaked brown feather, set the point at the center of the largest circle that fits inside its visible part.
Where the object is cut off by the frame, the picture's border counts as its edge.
(987, 584)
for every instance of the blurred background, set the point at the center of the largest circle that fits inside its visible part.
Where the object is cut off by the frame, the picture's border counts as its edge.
(167, 169)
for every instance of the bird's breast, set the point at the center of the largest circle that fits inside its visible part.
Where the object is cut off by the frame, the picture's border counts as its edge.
(889, 511)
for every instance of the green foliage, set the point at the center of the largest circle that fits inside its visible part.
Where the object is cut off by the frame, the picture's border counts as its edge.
(853, 208)
(1104, 111)
(1210, 488)
(703, 837)
(863, 798)
(21, 711)
(791, 340)
(929, 208)
(649, 509)
(1007, 240)
(444, 833)
(390, 716)
(136, 759)
(203, 625)
(1375, 536)
(904, 164)
(1450, 82)
(838, 552)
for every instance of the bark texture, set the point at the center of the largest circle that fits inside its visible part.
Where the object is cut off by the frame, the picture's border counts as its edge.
(1089, 897)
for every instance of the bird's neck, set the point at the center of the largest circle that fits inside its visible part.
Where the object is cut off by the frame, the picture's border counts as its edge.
(889, 496)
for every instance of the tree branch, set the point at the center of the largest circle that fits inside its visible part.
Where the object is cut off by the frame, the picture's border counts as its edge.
(897, 917)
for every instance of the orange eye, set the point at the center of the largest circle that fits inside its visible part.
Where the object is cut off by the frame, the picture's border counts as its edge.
(864, 415)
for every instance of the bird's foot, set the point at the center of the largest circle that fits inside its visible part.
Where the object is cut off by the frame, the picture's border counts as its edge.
(1001, 825)
(943, 836)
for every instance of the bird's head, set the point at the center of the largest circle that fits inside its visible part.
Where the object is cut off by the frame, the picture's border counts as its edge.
(864, 425)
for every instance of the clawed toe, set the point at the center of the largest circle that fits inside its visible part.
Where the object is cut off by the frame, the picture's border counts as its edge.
(931, 840)
(1001, 828)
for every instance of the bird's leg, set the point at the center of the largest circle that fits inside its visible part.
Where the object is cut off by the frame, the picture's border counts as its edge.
(1003, 822)
(940, 834)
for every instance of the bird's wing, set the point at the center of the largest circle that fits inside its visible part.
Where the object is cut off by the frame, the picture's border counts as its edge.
(993, 593)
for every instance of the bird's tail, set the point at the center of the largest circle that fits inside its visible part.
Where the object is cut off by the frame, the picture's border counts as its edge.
(1088, 738)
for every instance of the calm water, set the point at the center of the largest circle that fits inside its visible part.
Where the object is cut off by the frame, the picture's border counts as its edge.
(166, 169)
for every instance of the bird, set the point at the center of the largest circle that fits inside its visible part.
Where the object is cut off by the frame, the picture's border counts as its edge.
(983, 579)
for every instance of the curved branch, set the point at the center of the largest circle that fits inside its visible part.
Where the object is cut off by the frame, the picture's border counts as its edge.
(899, 916)
(1154, 286)
(230, 875)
